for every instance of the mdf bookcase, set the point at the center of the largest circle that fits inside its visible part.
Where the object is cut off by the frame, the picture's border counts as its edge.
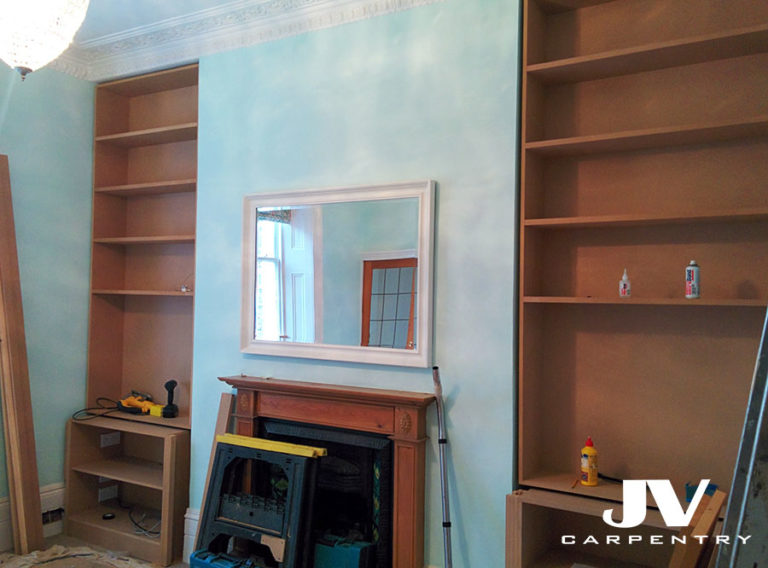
(141, 311)
(134, 472)
(644, 146)
(145, 167)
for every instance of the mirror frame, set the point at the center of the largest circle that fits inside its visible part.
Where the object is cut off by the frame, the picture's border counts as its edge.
(421, 356)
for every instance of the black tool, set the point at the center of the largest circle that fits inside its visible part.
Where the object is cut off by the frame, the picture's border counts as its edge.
(170, 410)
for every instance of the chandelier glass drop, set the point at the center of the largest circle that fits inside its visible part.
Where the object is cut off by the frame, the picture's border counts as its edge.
(35, 32)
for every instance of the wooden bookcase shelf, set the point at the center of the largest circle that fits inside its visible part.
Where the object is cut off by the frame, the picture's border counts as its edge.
(132, 470)
(167, 239)
(630, 220)
(151, 136)
(105, 292)
(635, 301)
(641, 139)
(658, 55)
(141, 312)
(169, 186)
(644, 145)
(144, 468)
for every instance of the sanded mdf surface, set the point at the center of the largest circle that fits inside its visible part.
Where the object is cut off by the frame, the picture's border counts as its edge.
(644, 382)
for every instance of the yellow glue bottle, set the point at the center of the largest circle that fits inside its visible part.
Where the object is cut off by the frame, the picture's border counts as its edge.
(588, 464)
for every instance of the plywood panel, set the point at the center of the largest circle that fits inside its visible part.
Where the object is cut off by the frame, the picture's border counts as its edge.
(105, 353)
(113, 112)
(641, 381)
(680, 180)
(110, 165)
(159, 266)
(616, 25)
(586, 263)
(164, 214)
(176, 160)
(678, 96)
(158, 347)
(163, 108)
(167, 79)
(109, 216)
(107, 267)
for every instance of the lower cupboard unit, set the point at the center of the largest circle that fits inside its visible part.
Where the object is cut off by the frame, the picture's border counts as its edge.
(563, 530)
(127, 486)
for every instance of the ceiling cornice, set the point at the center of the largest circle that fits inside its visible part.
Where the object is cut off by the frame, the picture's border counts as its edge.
(233, 25)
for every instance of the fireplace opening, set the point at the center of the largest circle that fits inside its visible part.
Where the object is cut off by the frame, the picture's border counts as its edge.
(352, 501)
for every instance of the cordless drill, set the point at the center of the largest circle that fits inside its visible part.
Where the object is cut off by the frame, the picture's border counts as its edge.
(141, 403)
(170, 410)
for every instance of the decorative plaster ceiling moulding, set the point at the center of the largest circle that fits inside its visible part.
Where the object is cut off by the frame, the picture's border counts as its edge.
(231, 26)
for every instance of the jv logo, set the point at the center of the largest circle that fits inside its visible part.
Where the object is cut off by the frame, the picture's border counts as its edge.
(666, 501)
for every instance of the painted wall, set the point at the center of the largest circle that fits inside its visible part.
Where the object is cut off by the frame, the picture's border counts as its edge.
(426, 93)
(46, 130)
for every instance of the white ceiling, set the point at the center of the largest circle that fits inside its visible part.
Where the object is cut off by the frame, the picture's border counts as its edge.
(125, 37)
(108, 17)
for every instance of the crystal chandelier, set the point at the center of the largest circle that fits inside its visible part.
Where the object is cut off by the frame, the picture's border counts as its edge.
(35, 32)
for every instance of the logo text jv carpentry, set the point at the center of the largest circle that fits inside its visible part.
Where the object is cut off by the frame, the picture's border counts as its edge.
(634, 512)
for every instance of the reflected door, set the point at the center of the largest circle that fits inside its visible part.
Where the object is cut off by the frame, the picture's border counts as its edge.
(389, 299)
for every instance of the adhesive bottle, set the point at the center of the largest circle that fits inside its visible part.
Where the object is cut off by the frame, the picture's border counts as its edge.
(692, 285)
(625, 289)
(588, 464)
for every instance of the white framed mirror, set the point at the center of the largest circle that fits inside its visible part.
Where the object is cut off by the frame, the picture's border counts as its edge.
(340, 274)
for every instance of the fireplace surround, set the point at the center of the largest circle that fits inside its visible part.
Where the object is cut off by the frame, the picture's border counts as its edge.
(399, 415)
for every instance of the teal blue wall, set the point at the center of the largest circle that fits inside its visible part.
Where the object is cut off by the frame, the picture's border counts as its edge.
(46, 132)
(425, 93)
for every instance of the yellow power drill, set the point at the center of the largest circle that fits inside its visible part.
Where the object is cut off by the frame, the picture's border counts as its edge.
(142, 403)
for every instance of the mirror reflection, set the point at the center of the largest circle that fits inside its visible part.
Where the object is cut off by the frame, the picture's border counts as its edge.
(389, 297)
(332, 273)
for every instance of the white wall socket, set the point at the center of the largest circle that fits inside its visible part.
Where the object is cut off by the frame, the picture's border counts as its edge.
(110, 439)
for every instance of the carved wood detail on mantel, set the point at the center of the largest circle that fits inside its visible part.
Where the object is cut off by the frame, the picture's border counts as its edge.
(400, 415)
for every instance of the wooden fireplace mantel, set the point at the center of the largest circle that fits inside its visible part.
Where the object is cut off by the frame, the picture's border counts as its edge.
(400, 415)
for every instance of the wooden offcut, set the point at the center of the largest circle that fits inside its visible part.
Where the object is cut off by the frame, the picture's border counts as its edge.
(21, 460)
(226, 404)
(692, 553)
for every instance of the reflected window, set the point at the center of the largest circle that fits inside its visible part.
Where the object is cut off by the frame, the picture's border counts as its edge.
(389, 299)
(268, 308)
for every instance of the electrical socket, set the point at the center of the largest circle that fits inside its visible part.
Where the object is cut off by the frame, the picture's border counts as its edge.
(107, 493)
(110, 439)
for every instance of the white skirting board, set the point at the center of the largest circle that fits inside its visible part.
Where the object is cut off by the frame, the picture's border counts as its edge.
(51, 498)
(191, 521)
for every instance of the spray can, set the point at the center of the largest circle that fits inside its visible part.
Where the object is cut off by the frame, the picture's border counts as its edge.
(588, 464)
(625, 288)
(692, 287)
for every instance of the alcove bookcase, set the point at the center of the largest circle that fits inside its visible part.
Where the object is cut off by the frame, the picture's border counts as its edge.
(128, 466)
(145, 164)
(644, 146)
